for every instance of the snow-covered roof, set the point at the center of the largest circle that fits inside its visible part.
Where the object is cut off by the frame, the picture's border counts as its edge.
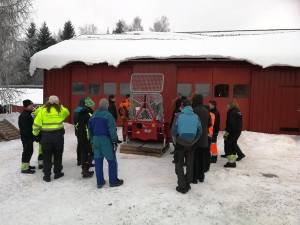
(266, 49)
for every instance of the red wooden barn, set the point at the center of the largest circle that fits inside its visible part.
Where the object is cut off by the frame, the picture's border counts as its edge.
(261, 70)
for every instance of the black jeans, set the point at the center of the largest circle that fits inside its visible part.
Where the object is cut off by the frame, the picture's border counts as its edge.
(27, 149)
(181, 153)
(53, 144)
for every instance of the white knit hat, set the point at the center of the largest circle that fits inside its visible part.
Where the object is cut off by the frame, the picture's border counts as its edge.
(53, 99)
(103, 103)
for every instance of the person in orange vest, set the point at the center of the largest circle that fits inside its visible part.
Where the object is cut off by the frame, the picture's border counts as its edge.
(210, 135)
(216, 128)
(124, 111)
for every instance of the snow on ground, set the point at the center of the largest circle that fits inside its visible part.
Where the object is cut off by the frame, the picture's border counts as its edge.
(263, 189)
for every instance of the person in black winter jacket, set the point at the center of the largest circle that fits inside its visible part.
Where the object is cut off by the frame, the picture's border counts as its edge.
(234, 123)
(113, 110)
(25, 123)
(216, 128)
(76, 113)
(84, 141)
(202, 149)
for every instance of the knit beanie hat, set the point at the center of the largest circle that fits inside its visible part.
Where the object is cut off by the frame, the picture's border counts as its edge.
(88, 102)
(27, 102)
(104, 103)
(53, 99)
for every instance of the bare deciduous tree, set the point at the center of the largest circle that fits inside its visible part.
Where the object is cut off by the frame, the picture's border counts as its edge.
(88, 29)
(13, 17)
(161, 25)
(136, 24)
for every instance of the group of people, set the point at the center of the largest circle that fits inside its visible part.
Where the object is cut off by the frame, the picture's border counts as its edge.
(96, 133)
(195, 129)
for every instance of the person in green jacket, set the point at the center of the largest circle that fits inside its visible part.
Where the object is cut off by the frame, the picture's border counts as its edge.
(49, 122)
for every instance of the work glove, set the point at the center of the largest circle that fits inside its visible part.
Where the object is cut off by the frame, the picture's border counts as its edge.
(225, 136)
(37, 138)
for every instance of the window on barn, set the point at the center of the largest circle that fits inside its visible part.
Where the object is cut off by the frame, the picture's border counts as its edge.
(78, 88)
(203, 89)
(221, 91)
(241, 91)
(109, 88)
(94, 88)
(124, 89)
(184, 89)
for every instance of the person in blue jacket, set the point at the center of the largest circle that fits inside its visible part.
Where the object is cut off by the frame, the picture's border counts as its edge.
(186, 131)
(102, 131)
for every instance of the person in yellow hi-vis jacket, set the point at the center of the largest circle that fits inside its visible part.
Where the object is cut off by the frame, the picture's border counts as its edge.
(40, 152)
(49, 121)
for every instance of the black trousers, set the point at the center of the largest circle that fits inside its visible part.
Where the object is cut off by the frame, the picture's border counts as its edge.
(53, 144)
(87, 154)
(207, 156)
(199, 163)
(27, 149)
(182, 154)
(78, 151)
(230, 144)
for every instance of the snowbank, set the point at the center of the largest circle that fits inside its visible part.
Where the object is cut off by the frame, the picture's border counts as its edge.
(263, 189)
(261, 48)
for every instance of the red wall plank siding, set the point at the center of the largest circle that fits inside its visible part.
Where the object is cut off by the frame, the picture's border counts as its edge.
(267, 105)
(57, 82)
(232, 75)
(271, 89)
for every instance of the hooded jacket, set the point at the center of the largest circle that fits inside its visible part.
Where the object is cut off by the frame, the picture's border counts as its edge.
(205, 119)
(102, 124)
(186, 128)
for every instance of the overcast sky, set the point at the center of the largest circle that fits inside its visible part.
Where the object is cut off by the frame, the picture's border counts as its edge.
(183, 15)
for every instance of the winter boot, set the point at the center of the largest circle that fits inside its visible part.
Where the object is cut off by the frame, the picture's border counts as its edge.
(85, 171)
(87, 174)
(58, 175)
(240, 157)
(32, 167)
(230, 165)
(101, 185)
(214, 159)
(182, 190)
(28, 171)
(47, 178)
(224, 156)
(117, 183)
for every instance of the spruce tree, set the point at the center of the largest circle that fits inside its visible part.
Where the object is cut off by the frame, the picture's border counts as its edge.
(29, 49)
(121, 27)
(68, 31)
(44, 39)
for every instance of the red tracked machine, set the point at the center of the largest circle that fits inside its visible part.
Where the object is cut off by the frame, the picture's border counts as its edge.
(146, 114)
